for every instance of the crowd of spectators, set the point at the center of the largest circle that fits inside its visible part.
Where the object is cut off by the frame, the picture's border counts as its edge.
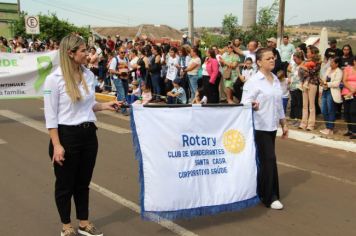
(139, 71)
(191, 74)
(20, 45)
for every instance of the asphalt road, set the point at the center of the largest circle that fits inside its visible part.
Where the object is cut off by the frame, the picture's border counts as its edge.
(318, 186)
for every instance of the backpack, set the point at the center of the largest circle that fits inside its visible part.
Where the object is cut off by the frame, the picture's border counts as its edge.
(122, 68)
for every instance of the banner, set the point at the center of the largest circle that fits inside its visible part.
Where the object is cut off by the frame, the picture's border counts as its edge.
(23, 74)
(194, 160)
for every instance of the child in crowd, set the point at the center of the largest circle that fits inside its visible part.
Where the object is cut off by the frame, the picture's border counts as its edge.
(247, 70)
(200, 98)
(136, 92)
(99, 88)
(285, 88)
(177, 95)
(146, 95)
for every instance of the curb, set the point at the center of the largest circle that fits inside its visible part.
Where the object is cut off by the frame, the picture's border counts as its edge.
(104, 97)
(317, 140)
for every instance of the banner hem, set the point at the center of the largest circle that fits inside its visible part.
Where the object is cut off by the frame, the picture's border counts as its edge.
(200, 211)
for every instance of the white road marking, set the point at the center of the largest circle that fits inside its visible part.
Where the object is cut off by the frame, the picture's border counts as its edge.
(136, 208)
(112, 128)
(2, 141)
(40, 126)
(342, 180)
(311, 138)
(116, 115)
(105, 192)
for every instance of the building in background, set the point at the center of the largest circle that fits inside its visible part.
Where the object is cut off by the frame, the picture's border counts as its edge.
(156, 33)
(8, 15)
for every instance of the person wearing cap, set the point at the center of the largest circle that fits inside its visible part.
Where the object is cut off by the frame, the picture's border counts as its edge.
(286, 49)
(332, 51)
(185, 40)
(272, 43)
(177, 95)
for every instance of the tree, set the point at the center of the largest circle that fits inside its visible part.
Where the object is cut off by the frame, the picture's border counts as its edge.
(230, 26)
(50, 26)
(211, 39)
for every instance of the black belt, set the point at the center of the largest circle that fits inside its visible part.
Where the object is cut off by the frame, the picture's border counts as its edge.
(83, 125)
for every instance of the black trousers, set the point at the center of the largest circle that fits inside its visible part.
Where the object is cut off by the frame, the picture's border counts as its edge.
(211, 91)
(267, 182)
(350, 114)
(296, 104)
(73, 178)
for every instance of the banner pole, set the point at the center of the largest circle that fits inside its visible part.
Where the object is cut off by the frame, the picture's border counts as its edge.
(190, 105)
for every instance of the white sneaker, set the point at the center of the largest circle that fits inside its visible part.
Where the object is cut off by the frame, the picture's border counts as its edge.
(325, 131)
(276, 205)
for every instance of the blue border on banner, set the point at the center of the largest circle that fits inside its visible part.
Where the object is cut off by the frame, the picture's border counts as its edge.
(185, 213)
(138, 157)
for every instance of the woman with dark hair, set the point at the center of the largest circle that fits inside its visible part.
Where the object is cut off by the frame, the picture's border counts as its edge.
(309, 72)
(184, 59)
(302, 48)
(263, 90)
(155, 70)
(347, 56)
(142, 66)
(172, 68)
(211, 77)
(164, 58)
(349, 95)
(133, 63)
(296, 94)
(192, 71)
(93, 61)
(331, 94)
(229, 61)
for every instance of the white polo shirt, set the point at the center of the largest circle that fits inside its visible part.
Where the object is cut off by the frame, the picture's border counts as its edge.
(269, 97)
(58, 107)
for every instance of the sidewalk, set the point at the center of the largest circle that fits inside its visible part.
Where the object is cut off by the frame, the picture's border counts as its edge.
(314, 137)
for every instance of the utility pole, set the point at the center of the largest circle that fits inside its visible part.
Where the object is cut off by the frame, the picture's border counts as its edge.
(19, 7)
(191, 21)
(249, 13)
(282, 8)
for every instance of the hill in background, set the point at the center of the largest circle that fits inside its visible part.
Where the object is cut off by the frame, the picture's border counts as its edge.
(348, 25)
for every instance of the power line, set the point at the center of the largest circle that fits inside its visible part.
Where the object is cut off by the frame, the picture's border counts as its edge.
(109, 19)
(106, 13)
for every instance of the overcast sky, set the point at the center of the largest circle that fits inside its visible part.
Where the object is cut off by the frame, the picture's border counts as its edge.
(174, 12)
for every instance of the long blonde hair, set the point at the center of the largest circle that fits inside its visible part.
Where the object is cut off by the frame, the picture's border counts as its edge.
(71, 43)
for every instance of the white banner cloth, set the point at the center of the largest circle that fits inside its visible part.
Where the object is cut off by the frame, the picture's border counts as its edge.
(195, 160)
(23, 74)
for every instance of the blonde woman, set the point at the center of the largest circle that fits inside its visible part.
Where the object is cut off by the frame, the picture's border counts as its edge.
(69, 100)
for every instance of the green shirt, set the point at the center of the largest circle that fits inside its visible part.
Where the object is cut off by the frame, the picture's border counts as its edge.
(230, 59)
